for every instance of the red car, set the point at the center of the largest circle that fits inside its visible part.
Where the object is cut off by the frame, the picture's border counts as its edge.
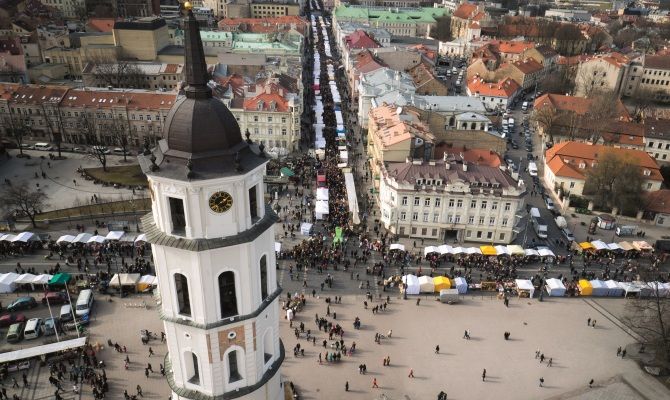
(55, 298)
(9, 319)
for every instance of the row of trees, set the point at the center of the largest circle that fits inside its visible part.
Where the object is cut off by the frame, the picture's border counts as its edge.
(615, 181)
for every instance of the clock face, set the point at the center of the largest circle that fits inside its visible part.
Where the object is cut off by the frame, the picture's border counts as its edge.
(220, 202)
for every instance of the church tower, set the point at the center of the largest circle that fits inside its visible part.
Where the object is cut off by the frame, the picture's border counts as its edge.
(212, 238)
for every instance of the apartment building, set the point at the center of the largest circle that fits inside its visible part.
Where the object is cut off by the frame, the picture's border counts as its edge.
(415, 22)
(133, 75)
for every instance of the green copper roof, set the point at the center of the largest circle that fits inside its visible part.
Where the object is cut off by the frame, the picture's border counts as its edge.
(405, 15)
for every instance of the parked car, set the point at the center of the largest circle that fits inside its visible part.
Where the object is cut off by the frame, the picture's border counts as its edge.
(568, 234)
(549, 203)
(22, 303)
(10, 319)
(120, 151)
(515, 145)
(51, 325)
(55, 298)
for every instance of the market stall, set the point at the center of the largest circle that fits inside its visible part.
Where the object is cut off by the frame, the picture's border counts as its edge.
(42, 279)
(431, 249)
(397, 246)
(146, 282)
(25, 237)
(555, 287)
(441, 282)
(124, 280)
(65, 239)
(598, 288)
(641, 245)
(82, 238)
(411, 284)
(8, 282)
(531, 253)
(614, 289)
(626, 246)
(488, 250)
(141, 239)
(545, 252)
(445, 249)
(426, 284)
(460, 284)
(585, 288)
(306, 228)
(599, 245)
(502, 250)
(525, 288)
(515, 250)
(25, 279)
(115, 235)
(97, 239)
(629, 289)
(586, 246)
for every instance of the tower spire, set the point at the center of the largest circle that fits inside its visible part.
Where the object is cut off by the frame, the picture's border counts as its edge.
(194, 55)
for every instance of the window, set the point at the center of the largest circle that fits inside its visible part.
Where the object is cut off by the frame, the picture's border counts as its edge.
(459, 203)
(227, 294)
(471, 219)
(192, 370)
(457, 219)
(404, 200)
(483, 204)
(572, 185)
(403, 216)
(648, 186)
(253, 204)
(425, 217)
(415, 216)
(492, 221)
(504, 221)
(436, 217)
(494, 205)
(451, 202)
(264, 277)
(489, 235)
(183, 299)
(508, 206)
(426, 202)
(424, 231)
(177, 216)
(267, 346)
(438, 202)
(233, 370)
(479, 234)
(416, 201)
(502, 236)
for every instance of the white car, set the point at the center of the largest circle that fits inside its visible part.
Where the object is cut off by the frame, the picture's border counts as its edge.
(549, 203)
(568, 235)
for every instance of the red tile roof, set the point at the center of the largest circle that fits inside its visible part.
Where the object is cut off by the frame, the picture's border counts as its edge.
(103, 99)
(528, 66)
(31, 94)
(101, 24)
(359, 39)
(657, 62)
(11, 46)
(573, 159)
(264, 102)
(514, 47)
(485, 157)
(505, 88)
(579, 105)
(465, 11)
(658, 201)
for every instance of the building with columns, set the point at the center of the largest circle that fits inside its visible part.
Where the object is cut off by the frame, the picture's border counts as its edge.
(213, 244)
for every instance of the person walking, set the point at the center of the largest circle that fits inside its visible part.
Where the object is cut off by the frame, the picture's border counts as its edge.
(139, 391)
(591, 383)
(437, 349)
(151, 352)
(551, 360)
(623, 353)
(484, 375)
(15, 384)
(618, 351)
(411, 373)
(594, 324)
(346, 386)
(541, 381)
(374, 383)
(588, 322)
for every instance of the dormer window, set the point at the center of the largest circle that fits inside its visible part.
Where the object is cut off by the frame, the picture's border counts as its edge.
(647, 172)
(582, 165)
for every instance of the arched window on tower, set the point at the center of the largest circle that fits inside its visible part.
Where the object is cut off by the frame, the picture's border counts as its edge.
(227, 294)
(268, 346)
(233, 367)
(264, 277)
(183, 299)
(192, 369)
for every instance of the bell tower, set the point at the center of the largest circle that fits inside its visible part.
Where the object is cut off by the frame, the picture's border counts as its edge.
(212, 237)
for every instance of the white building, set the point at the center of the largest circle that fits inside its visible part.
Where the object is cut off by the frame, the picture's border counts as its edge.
(450, 201)
(213, 245)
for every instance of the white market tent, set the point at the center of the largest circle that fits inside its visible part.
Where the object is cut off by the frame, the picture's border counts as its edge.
(460, 284)
(352, 199)
(125, 279)
(629, 289)
(146, 282)
(411, 284)
(614, 246)
(42, 279)
(457, 250)
(473, 250)
(515, 249)
(306, 228)
(7, 238)
(277, 247)
(502, 250)
(32, 352)
(141, 238)
(322, 193)
(97, 239)
(7, 282)
(25, 279)
(430, 249)
(397, 246)
(614, 289)
(115, 235)
(659, 287)
(65, 239)
(530, 252)
(426, 284)
(321, 209)
(445, 249)
(600, 245)
(545, 253)
(525, 284)
(25, 237)
(82, 238)
(555, 287)
(599, 288)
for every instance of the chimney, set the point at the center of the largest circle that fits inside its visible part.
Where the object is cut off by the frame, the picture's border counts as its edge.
(465, 166)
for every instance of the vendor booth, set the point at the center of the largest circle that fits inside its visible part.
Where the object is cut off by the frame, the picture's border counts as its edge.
(115, 235)
(445, 249)
(488, 250)
(97, 239)
(441, 282)
(502, 250)
(555, 287)
(585, 288)
(146, 282)
(25, 279)
(525, 288)
(460, 284)
(60, 279)
(82, 238)
(629, 289)
(598, 288)
(599, 245)
(426, 284)
(8, 282)
(42, 279)
(65, 239)
(431, 249)
(397, 246)
(449, 296)
(641, 245)
(411, 284)
(141, 239)
(531, 253)
(586, 246)
(124, 280)
(25, 237)
(613, 289)
(515, 250)
(306, 228)
(626, 246)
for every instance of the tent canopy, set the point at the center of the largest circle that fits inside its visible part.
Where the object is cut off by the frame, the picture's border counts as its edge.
(411, 284)
(115, 235)
(544, 252)
(397, 246)
(82, 238)
(430, 249)
(585, 288)
(525, 284)
(42, 279)
(286, 172)
(642, 245)
(515, 250)
(460, 284)
(502, 250)
(277, 247)
(599, 245)
(555, 287)
(445, 249)
(626, 246)
(614, 246)
(426, 284)
(531, 252)
(441, 282)
(60, 278)
(25, 237)
(65, 239)
(586, 246)
(25, 279)
(488, 250)
(141, 238)
(126, 280)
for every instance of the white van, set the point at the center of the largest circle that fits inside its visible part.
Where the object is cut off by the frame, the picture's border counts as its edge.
(84, 302)
(43, 146)
(532, 169)
(33, 328)
(65, 313)
(524, 106)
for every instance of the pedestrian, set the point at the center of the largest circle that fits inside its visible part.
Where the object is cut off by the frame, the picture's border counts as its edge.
(149, 367)
(618, 351)
(374, 383)
(588, 322)
(623, 353)
(162, 369)
(551, 361)
(151, 352)
(594, 323)
(25, 380)
(346, 386)
(146, 372)
(541, 382)
(437, 349)
(418, 301)
(484, 375)
(537, 353)
(411, 373)
(390, 332)
(541, 358)
(591, 383)
(139, 391)
(15, 384)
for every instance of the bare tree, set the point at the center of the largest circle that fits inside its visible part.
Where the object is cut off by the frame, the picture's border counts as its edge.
(18, 129)
(649, 317)
(53, 128)
(603, 109)
(87, 126)
(590, 79)
(546, 117)
(24, 201)
(119, 130)
(116, 73)
(643, 100)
